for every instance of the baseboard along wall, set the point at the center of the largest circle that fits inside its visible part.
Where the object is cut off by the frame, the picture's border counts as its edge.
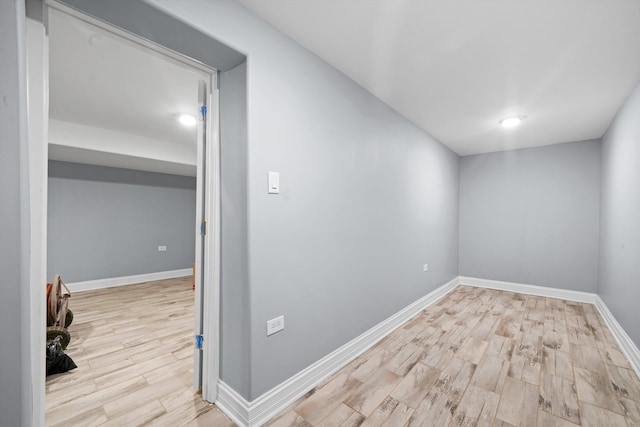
(274, 401)
(91, 285)
(628, 347)
(271, 403)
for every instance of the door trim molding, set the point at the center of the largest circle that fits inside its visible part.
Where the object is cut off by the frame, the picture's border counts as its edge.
(211, 296)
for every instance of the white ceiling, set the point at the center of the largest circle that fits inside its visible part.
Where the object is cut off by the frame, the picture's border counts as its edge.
(456, 67)
(103, 82)
(452, 67)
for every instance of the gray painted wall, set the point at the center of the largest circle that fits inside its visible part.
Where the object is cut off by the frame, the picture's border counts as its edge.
(531, 216)
(15, 352)
(234, 313)
(108, 222)
(366, 199)
(619, 274)
(371, 181)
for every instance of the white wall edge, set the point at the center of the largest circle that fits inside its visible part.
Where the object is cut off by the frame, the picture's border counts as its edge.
(541, 291)
(630, 350)
(91, 285)
(274, 401)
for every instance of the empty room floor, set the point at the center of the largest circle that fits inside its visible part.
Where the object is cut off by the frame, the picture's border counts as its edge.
(477, 357)
(134, 349)
(482, 357)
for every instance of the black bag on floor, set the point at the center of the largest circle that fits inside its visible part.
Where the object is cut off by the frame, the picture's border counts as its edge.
(57, 360)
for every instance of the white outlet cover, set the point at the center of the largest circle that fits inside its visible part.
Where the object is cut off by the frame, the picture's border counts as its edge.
(425, 267)
(162, 248)
(275, 325)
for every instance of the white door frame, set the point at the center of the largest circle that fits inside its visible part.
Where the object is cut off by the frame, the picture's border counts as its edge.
(211, 292)
(38, 108)
(38, 130)
(206, 363)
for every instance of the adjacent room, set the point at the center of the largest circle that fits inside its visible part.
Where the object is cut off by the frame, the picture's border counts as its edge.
(121, 225)
(393, 212)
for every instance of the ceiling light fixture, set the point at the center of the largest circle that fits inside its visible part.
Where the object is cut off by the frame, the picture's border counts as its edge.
(511, 121)
(187, 120)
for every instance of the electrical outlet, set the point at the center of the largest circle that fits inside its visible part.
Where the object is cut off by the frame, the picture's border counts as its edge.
(425, 267)
(162, 248)
(275, 325)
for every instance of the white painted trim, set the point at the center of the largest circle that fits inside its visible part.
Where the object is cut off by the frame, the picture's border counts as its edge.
(212, 241)
(38, 111)
(91, 285)
(233, 405)
(200, 250)
(272, 402)
(629, 349)
(521, 288)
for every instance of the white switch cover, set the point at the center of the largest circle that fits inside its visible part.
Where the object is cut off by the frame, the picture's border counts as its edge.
(162, 248)
(275, 325)
(425, 267)
(274, 183)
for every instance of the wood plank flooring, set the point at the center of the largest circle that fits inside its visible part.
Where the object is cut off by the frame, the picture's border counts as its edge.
(134, 349)
(482, 357)
(478, 357)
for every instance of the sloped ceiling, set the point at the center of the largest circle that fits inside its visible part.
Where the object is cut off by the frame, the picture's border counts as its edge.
(456, 68)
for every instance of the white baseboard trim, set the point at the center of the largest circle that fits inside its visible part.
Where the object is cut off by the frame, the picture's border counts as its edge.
(627, 346)
(541, 291)
(91, 285)
(271, 403)
(274, 401)
(233, 405)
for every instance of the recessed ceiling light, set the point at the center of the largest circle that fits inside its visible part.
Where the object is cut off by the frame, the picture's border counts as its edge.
(187, 120)
(511, 122)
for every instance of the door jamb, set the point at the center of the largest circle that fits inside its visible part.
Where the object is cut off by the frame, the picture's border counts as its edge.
(211, 294)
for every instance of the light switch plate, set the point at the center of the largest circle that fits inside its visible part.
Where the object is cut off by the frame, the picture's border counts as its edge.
(274, 183)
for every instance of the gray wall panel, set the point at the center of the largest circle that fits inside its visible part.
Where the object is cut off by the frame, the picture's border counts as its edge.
(366, 199)
(15, 353)
(108, 222)
(234, 359)
(619, 275)
(531, 216)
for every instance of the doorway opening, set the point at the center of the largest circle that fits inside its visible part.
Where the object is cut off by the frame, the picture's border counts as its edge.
(117, 154)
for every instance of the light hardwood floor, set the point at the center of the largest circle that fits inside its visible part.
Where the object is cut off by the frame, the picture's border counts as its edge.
(482, 357)
(134, 349)
(478, 357)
